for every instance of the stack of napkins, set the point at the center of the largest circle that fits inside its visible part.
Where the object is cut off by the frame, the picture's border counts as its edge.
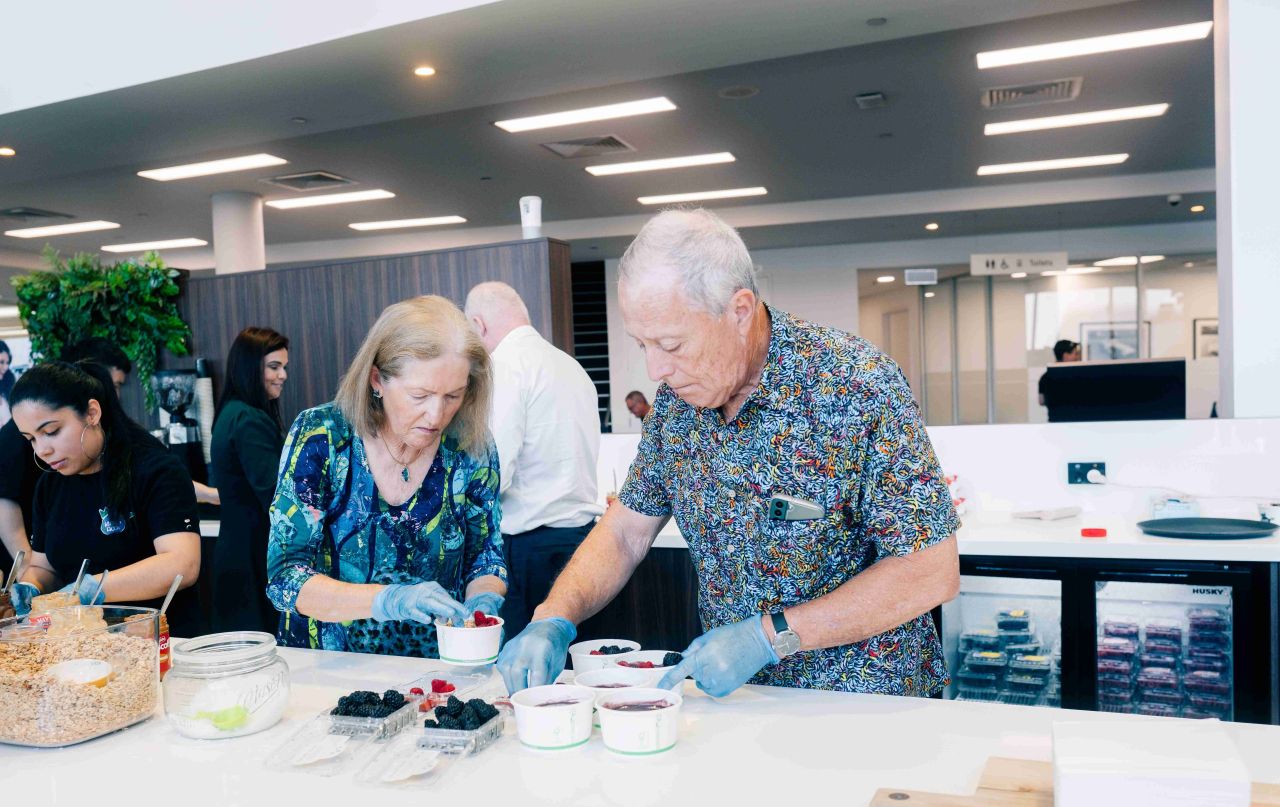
(1162, 763)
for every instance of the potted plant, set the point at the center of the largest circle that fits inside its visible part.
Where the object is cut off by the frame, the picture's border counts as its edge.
(132, 303)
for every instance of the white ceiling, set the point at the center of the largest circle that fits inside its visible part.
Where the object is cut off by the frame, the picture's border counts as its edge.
(431, 141)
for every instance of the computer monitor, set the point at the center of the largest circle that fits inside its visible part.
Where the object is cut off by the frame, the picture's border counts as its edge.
(1134, 389)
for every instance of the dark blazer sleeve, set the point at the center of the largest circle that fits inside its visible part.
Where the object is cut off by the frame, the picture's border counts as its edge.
(257, 444)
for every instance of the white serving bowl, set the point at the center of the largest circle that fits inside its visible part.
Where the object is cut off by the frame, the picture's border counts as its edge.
(655, 673)
(552, 728)
(583, 661)
(639, 733)
(469, 647)
(611, 679)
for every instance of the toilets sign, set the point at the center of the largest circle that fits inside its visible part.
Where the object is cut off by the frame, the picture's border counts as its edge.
(1008, 264)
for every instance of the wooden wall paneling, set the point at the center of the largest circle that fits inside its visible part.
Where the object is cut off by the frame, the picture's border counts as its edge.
(561, 291)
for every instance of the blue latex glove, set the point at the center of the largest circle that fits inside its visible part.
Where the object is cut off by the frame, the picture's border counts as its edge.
(419, 602)
(486, 602)
(90, 592)
(536, 656)
(724, 659)
(20, 595)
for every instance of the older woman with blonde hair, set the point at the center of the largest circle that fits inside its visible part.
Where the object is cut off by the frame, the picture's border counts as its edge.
(386, 513)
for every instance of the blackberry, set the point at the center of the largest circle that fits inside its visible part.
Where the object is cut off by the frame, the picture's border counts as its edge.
(430, 724)
(393, 699)
(364, 696)
(672, 659)
(451, 723)
(454, 706)
(344, 703)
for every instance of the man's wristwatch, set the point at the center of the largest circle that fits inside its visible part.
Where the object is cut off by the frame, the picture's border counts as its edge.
(785, 641)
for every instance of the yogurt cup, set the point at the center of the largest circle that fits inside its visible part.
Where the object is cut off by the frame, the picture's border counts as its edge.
(639, 721)
(469, 647)
(612, 679)
(553, 717)
(583, 661)
(655, 673)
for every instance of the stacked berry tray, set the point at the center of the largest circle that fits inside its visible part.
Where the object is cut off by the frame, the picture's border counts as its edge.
(1004, 663)
(1166, 667)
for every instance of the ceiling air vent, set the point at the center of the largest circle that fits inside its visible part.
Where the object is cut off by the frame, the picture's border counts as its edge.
(589, 147)
(1044, 92)
(309, 181)
(871, 100)
(31, 214)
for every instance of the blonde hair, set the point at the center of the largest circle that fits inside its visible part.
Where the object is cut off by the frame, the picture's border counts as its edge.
(423, 328)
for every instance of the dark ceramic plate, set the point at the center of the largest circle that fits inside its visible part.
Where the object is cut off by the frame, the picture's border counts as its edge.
(1220, 529)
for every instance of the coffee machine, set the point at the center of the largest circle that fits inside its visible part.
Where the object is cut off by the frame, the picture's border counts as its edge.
(175, 392)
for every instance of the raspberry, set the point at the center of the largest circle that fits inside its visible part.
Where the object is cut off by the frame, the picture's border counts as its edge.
(417, 691)
(482, 621)
(440, 687)
(424, 706)
(639, 665)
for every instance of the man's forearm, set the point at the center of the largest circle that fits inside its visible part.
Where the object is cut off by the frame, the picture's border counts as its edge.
(596, 573)
(890, 592)
(13, 531)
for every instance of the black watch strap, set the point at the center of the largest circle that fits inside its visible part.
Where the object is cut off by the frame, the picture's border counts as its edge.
(779, 622)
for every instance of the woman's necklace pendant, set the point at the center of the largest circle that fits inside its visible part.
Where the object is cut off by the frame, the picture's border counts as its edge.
(404, 473)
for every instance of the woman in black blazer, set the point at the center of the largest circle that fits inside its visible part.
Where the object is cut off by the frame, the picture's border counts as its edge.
(247, 439)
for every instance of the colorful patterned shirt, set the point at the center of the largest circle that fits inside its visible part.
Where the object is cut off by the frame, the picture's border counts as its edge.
(834, 422)
(328, 518)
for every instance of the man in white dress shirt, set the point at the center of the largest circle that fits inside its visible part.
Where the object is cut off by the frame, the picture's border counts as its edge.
(546, 424)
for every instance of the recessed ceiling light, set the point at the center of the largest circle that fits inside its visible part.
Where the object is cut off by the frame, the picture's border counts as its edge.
(1128, 260)
(928, 294)
(211, 167)
(931, 226)
(1188, 264)
(1083, 270)
(424, 71)
(876, 22)
(1018, 275)
(659, 165)
(330, 199)
(699, 196)
(1052, 165)
(1095, 44)
(145, 246)
(594, 113)
(885, 279)
(396, 224)
(6, 151)
(1196, 208)
(1077, 119)
(62, 229)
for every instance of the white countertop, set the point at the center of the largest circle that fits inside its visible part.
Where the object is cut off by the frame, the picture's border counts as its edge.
(761, 745)
(1003, 536)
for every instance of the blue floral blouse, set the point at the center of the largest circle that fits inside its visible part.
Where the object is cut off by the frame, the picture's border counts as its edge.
(329, 518)
(834, 422)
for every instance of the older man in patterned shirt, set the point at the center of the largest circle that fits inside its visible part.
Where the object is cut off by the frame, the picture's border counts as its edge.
(758, 409)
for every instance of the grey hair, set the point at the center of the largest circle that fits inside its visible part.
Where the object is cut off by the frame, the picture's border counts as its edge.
(706, 252)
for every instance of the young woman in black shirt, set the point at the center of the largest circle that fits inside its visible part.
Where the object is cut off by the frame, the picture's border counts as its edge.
(110, 493)
(244, 458)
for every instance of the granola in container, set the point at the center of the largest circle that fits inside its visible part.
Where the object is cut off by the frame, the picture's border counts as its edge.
(83, 672)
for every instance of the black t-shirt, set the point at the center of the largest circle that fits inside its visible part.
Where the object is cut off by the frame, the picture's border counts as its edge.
(71, 521)
(18, 476)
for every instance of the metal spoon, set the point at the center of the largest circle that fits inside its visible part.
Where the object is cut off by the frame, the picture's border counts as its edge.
(173, 589)
(16, 571)
(84, 564)
(102, 581)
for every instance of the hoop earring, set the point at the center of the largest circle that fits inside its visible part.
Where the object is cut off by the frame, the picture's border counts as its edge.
(92, 460)
(48, 469)
(377, 395)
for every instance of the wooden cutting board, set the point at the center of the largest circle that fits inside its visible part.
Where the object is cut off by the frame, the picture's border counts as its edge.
(1016, 783)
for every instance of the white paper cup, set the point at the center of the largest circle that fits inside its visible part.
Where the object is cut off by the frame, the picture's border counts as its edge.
(531, 216)
(655, 673)
(611, 679)
(553, 728)
(639, 733)
(583, 661)
(469, 647)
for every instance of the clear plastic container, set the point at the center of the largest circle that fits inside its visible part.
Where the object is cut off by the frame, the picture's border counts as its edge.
(401, 763)
(1162, 646)
(226, 685)
(1037, 666)
(1008, 637)
(972, 640)
(464, 742)
(1115, 647)
(1212, 619)
(1024, 684)
(1114, 667)
(1208, 639)
(1158, 678)
(1207, 682)
(1211, 703)
(976, 679)
(77, 673)
(1158, 710)
(1024, 649)
(1167, 629)
(987, 660)
(1166, 660)
(1014, 619)
(1124, 628)
(1172, 697)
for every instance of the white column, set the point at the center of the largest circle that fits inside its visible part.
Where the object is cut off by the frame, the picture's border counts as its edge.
(238, 242)
(1246, 62)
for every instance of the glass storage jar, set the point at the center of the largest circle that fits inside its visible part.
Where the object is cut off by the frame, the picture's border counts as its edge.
(226, 685)
(72, 674)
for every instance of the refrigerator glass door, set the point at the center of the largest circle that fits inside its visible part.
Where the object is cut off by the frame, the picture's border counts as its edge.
(1165, 649)
(1003, 640)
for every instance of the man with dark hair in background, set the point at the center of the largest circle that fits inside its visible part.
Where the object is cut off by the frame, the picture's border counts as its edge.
(1063, 351)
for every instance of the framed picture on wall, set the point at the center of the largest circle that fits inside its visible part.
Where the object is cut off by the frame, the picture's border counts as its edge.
(1204, 338)
(1102, 341)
